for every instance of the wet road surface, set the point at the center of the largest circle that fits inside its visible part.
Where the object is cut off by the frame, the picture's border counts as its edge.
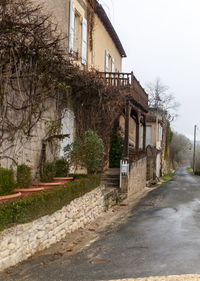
(160, 237)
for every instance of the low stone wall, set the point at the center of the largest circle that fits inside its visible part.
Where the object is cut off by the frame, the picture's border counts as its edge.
(137, 177)
(22, 241)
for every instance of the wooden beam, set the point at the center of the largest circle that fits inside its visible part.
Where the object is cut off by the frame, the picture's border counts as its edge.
(126, 138)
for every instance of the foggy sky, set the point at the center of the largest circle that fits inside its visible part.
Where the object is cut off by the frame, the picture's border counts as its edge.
(162, 39)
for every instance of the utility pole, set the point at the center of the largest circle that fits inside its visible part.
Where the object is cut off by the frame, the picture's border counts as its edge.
(194, 150)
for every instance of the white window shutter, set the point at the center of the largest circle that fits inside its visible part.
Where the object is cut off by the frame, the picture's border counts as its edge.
(84, 41)
(72, 27)
(113, 65)
(107, 61)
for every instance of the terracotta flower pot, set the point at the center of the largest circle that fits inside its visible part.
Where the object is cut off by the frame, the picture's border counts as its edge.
(63, 179)
(27, 191)
(10, 197)
(47, 185)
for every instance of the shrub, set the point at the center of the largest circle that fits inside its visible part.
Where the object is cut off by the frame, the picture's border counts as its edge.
(61, 167)
(48, 172)
(37, 205)
(24, 178)
(88, 152)
(116, 150)
(7, 182)
(78, 176)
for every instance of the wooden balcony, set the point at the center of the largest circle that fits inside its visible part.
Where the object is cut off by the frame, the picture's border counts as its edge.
(126, 81)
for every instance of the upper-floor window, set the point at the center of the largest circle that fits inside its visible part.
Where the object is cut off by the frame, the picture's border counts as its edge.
(148, 135)
(109, 62)
(159, 134)
(77, 34)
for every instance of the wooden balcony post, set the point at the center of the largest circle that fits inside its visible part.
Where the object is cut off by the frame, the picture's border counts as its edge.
(144, 134)
(138, 133)
(126, 136)
(132, 79)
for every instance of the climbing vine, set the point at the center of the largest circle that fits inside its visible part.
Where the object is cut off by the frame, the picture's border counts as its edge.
(35, 76)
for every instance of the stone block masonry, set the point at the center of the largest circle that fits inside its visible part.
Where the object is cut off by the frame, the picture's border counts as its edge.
(22, 241)
(137, 178)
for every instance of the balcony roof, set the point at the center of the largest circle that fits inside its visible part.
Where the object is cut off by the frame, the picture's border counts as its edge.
(108, 26)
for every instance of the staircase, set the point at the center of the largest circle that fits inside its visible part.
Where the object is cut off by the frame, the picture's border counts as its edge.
(111, 178)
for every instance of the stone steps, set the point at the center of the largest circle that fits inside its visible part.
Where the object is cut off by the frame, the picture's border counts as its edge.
(111, 178)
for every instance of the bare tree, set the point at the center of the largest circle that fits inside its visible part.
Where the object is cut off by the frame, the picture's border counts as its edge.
(180, 150)
(159, 97)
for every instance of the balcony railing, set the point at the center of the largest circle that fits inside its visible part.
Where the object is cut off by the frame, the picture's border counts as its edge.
(126, 81)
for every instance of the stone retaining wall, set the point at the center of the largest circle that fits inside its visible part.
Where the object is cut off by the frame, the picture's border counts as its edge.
(137, 178)
(22, 241)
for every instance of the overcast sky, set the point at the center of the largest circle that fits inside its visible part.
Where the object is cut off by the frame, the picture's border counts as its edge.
(162, 39)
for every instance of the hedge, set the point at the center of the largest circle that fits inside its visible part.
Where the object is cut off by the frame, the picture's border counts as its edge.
(29, 208)
(7, 182)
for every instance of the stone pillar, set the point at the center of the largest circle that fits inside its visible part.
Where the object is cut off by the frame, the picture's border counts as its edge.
(124, 187)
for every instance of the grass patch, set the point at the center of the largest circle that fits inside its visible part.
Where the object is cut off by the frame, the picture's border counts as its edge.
(168, 177)
(190, 169)
(44, 203)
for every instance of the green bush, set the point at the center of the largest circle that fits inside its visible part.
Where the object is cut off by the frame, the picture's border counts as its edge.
(24, 177)
(116, 150)
(61, 167)
(78, 176)
(7, 182)
(37, 205)
(88, 152)
(48, 172)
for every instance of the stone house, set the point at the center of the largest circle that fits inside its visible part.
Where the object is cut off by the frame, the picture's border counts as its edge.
(91, 42)
(156, 141)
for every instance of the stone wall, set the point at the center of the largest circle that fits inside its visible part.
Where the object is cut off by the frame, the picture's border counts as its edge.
(137, 177)
(22, 241)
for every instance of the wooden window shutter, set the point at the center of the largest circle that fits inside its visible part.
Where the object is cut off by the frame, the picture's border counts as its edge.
(107, 61)
(72, 27)
(84, 41)
(113, 65)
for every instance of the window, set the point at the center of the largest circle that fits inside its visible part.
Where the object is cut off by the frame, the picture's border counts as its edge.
(109, 62)
(148, 135)
(159, 135)
(77, 34)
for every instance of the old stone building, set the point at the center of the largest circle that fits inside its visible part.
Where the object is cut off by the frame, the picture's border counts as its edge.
(91, 42)
(156, 137)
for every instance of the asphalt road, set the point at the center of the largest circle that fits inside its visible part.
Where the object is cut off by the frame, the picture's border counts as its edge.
(160, 237)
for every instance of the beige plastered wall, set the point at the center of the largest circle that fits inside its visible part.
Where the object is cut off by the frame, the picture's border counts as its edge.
(59, 12)
(102, 42)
